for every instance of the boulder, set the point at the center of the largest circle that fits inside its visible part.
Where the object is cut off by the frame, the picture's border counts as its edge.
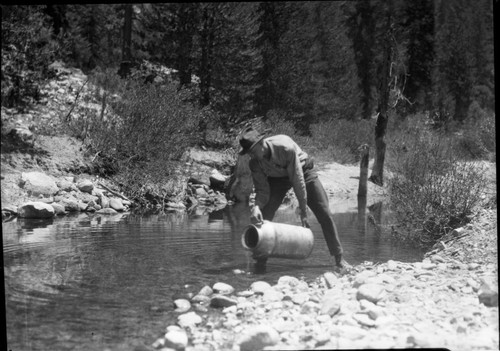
(116, 204)
(70, 204)
(85, 186)
(36, 210)
(217, 180)
(38, 183)
(22, 136)
(58, 209)
(66, 185)
(258, 337)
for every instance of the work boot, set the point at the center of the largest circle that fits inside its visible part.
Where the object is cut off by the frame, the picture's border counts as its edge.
(341, 265)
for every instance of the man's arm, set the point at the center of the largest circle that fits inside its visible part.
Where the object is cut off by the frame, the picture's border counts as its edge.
(296, 175)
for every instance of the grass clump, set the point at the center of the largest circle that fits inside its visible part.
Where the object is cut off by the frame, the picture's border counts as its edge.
(432, 191)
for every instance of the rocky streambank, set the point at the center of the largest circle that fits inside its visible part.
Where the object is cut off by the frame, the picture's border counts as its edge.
(449, 300)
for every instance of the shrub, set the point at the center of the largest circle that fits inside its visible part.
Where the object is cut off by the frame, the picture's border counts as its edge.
(27, 50)
(432, 192)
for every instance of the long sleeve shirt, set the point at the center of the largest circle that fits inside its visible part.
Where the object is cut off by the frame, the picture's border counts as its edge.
(285, 159)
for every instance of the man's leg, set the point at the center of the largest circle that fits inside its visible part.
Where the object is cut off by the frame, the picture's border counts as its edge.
(317, 200)
(278, 189)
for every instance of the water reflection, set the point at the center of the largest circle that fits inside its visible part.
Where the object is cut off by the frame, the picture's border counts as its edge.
(92, 281)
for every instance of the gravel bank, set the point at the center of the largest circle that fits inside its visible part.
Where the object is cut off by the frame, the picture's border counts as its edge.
(449, 300)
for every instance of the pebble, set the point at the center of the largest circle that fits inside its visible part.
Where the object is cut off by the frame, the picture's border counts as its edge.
(222, 301)
(182, 305)
(371, 292)
(223, 288)
(189, 319)
(259, 287)
(176, 339)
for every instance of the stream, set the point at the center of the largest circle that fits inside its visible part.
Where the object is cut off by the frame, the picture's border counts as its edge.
(88, 282)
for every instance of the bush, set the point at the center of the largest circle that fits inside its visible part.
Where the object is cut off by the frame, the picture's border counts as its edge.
(27, 50)
(477, 140)
(432, 192)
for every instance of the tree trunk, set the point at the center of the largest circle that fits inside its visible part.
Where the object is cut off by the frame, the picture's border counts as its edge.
(377, 176)
(126, 63)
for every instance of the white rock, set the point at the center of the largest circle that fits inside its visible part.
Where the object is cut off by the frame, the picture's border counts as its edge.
(371, 292)
(176, 339)
(223, 288)
(206, 290)
(182, 305)
(257, 338)
(288, 280)
(189, 319)
(38, 183)
(271, 295)
(116, 204)
(85, 186)
(259, 287)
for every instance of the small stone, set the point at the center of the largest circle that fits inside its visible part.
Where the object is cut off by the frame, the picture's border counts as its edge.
(330, 279)
(206, 290)
(329, 306)
(201, 299)
(259, 287)
(176, 339)
(223, 288)
(364, 320)
(218, 301)
(288, 280)
(392, 265)
(371, 292)
(58, 209)
(271, 295)
(182, 305)
(189, 319)
(309, 307)
(106, 211)
(245, 293)
(487, 295)
(257, 338)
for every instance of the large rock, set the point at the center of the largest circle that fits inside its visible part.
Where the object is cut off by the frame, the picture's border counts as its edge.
(217, 180)
(116, 204)
(85, 186)
(36, 210)
(38, 183)
(257, 338)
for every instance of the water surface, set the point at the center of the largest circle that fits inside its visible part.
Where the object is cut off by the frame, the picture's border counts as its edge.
(93, 282)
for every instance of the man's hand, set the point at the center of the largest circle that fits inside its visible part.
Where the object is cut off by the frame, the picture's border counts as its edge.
(303, 219)
(256, 215)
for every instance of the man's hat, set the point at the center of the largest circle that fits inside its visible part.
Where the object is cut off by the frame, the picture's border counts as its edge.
(249, 138)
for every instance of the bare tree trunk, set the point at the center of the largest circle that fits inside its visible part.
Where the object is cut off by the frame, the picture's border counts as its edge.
(377, 176)
(363, 171)
(126, 63)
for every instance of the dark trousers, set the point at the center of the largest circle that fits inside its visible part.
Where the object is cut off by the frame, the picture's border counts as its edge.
(317, 200)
